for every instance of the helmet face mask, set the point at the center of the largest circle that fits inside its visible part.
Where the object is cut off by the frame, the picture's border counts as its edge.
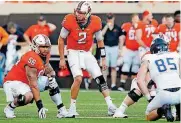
(41, 45)
(82, 12)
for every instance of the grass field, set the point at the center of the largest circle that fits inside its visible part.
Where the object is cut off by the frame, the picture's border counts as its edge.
(90, 105)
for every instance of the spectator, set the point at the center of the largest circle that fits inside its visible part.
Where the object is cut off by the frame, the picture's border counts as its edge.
(177, 16)
(111, 33)
(42, 27)
(3, 41)
(15, 42)
(163, 20)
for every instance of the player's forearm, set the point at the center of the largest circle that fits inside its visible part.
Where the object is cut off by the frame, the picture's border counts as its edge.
(21, 43)
(51, 26)
(139, 38)
(61, 47)
(121, 42)
(27, 39)
(141, 43)
(49, 71)
(100, 44)
(141, 77)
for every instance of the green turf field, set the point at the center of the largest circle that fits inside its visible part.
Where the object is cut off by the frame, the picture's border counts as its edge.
(90, 105)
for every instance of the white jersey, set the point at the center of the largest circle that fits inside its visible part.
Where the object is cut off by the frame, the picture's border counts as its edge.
(164, 69)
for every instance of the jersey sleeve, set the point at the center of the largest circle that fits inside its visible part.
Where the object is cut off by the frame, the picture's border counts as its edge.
(98, 24)
(29, 31)
(139, 25)
(66, 23)
(124, 29)
(32, 61)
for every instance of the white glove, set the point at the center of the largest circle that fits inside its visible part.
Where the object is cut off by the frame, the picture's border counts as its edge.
(52, 83)
(42, 113)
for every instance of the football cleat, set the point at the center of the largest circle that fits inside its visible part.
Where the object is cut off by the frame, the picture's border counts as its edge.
(168, 113)
(9, 112)
(72, 112)
(119, 114)
(111, 110)
(62, 112)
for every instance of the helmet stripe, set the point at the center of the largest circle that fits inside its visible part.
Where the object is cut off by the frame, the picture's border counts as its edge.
(80, 5)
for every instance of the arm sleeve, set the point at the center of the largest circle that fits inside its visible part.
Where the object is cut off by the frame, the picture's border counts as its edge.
(123, 28)
(64, 33)
(99, 36)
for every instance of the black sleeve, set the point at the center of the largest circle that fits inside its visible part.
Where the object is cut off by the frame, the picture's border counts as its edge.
(122, 32)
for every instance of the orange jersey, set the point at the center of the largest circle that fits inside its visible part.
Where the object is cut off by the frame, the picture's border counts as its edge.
(18, 71)
(147, 31)
(34, 30)
(131, 42)
(81, 39)
(172, 34)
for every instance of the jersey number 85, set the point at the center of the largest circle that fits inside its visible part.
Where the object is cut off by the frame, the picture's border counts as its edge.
(163, 66)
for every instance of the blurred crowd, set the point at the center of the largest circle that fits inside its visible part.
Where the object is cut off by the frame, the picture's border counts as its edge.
(54, 1)
(14, 42)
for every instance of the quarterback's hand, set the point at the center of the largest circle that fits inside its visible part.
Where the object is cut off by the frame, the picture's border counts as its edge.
(42, 113)
(104, 67)
(52, 83)
(62, 64)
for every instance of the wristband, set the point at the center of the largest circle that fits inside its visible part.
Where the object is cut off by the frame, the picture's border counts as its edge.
(39, 104)
(102, 51)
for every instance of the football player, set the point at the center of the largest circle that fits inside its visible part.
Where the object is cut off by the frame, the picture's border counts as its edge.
(134, 95)
(144, 31)
(79, 29)
(131, 56)
(20, 84)
(172, 31)
(165, 71)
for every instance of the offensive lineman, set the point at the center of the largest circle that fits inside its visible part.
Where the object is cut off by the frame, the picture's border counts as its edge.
(20, 84)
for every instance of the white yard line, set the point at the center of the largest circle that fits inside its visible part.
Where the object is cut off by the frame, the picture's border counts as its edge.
(83, 91)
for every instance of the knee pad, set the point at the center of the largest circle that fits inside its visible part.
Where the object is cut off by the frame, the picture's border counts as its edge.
(125, 73)
(21, 100)
(132, 73)
(101, 83)
(134, 96)
(52, 92)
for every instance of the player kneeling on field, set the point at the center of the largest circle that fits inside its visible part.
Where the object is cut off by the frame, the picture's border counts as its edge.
(165, 71)
(21, 86)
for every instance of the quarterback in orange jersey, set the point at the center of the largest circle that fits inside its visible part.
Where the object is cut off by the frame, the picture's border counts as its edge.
(172, 31)
(21, 83)
(79, 29)
(130, 56)
(144, 31)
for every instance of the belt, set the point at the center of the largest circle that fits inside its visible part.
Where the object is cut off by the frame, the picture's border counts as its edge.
(172, 89)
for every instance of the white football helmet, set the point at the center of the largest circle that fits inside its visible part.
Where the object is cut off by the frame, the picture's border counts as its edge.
(40, 40)
(85, 8)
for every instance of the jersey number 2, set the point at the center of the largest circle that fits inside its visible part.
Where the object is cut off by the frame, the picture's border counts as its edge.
(162, 67)
(82, 37)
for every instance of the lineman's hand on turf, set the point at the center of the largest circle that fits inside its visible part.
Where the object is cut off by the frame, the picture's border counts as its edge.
(42, 113)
